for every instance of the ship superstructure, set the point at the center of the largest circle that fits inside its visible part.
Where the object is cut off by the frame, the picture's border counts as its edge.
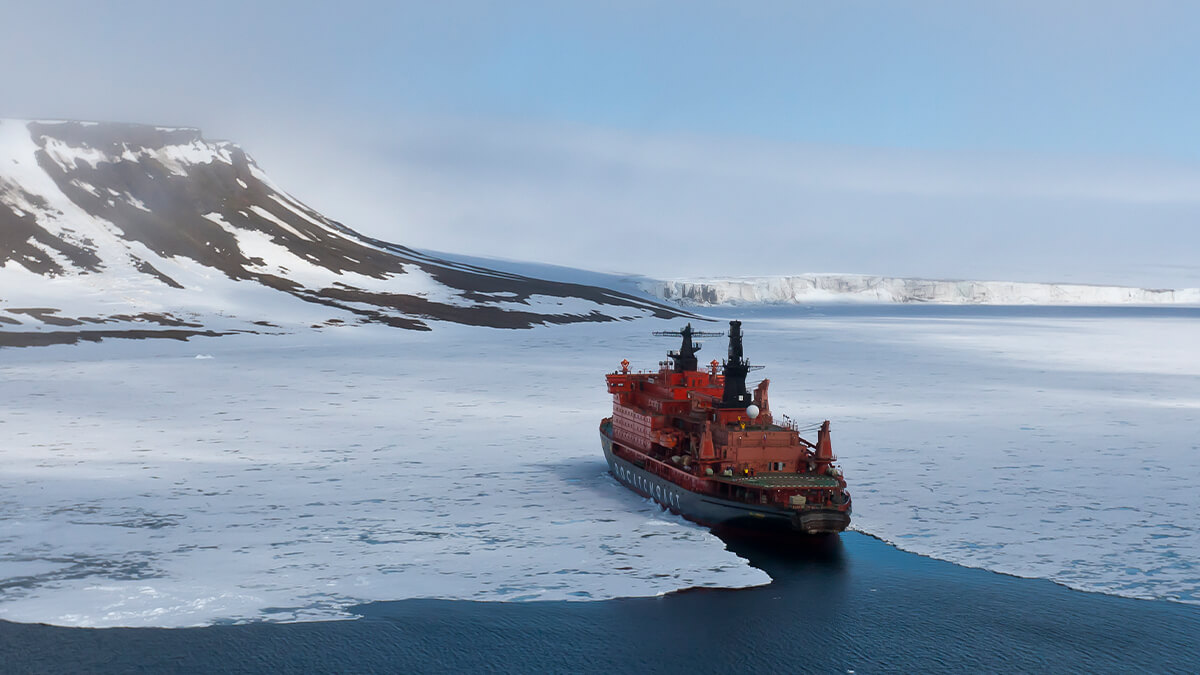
(702, 445)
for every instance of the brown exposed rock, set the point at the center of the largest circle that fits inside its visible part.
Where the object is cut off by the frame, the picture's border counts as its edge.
(43, 339)
(46, 315)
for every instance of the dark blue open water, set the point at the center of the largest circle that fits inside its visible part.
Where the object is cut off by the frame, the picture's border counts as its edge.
(836, 605)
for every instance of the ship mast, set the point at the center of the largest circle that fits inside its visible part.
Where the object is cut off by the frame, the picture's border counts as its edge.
(685, 358)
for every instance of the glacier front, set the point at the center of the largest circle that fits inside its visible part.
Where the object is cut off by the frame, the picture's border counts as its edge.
(823, 288)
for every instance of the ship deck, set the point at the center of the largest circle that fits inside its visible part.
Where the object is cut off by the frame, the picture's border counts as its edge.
(781, 480)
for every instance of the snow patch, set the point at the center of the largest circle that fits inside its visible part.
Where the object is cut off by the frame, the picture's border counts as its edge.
(271, 217)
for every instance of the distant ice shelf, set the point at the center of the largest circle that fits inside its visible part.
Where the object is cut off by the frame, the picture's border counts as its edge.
(816, 288)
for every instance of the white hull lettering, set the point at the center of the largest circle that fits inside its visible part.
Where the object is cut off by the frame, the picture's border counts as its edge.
(666, 496)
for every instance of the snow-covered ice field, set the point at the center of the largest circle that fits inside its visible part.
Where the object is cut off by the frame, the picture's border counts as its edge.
(158, 483)
(281, 478)
(1060, 447)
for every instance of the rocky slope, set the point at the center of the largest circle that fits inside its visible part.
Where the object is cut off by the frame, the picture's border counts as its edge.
(109, 228)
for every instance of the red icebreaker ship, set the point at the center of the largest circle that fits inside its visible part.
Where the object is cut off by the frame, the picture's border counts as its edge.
(701, 445)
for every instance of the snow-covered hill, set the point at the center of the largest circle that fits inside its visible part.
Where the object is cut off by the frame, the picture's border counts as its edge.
(107, 228)
(806, 288)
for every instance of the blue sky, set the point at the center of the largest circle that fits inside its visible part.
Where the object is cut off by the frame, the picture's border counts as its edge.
(1108, 78)
(1031, 140)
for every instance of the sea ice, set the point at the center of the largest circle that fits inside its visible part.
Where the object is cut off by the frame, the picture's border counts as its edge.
(1061, 447)
(289, 478)
(292, 476)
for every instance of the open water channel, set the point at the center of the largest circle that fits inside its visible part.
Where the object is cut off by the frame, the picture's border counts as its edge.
(839, 605)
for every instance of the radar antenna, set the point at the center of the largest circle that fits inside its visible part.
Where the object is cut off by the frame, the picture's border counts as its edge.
(685, 357)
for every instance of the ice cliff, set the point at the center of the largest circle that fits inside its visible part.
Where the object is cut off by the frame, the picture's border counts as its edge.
(808, 288)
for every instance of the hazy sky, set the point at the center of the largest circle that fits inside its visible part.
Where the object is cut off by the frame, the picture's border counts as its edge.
(1007, 140)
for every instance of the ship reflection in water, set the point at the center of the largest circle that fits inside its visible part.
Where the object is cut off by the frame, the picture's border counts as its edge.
(836, 605)
(785, 558)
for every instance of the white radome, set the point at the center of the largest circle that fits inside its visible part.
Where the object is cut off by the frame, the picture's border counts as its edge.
(752, 411)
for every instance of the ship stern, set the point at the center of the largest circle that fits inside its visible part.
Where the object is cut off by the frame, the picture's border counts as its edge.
(821, 521)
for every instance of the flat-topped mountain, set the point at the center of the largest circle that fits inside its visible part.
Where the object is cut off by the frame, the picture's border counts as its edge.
(107, 227)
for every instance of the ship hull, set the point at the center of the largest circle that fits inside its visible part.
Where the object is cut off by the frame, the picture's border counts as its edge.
(717, 513)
